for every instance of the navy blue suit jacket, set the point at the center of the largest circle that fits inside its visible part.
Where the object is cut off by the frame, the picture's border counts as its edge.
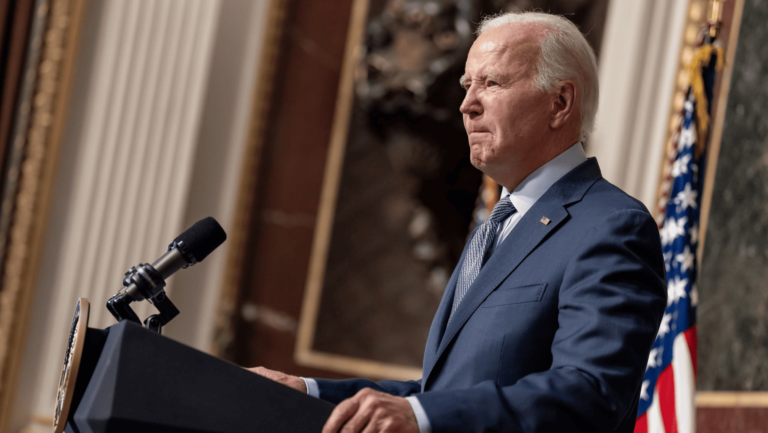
(555, 332)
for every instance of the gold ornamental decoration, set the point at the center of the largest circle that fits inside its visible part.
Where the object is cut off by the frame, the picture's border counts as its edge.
(33, 153)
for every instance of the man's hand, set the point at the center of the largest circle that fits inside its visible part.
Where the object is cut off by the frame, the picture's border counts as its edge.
(280, 377)
(372, 411)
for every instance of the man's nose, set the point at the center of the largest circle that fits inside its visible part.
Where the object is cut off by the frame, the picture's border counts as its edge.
(471, 105)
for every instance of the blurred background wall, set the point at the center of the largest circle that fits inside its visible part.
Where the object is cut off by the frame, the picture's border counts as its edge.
(155, 127)
(346, 196)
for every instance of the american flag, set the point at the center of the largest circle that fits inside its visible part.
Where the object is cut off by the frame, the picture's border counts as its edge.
(667, 399)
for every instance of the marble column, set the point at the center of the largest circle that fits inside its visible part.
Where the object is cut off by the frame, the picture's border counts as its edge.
(733, 285)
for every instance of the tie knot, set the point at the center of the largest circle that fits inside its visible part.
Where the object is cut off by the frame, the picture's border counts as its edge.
(502, 210)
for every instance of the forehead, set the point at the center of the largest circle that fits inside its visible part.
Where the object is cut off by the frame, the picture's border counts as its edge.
(509, 49)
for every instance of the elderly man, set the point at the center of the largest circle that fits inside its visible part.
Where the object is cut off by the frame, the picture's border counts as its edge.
(548, 319)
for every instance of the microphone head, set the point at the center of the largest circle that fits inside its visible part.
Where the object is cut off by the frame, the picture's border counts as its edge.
(203, 237)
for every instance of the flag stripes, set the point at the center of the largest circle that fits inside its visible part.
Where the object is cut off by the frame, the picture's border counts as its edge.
(655, 425)
(665, 391)
(684, 384)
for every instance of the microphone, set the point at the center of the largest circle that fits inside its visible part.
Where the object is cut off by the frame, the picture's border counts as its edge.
(146, 281)
(190, 247)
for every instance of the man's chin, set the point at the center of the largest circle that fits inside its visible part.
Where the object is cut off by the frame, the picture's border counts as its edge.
(478, 163)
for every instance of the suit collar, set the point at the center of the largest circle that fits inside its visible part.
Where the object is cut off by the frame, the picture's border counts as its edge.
(541, 180)
(523, 239)
(572, 187)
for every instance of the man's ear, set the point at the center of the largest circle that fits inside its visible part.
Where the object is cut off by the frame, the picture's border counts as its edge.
(563, 109)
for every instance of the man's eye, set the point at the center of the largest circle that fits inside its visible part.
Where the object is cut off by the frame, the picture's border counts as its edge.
(492, 84)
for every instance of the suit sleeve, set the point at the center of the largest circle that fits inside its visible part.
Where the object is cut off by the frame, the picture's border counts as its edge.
(610, 305)
(335, 391)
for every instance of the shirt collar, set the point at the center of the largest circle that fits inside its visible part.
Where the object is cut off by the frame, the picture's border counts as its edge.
(538, 182)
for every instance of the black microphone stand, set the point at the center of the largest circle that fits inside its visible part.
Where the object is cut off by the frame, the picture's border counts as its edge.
(143, 282)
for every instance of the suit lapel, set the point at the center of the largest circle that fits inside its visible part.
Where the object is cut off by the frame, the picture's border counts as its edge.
(526, 235)
(441, 316)
(524, 238)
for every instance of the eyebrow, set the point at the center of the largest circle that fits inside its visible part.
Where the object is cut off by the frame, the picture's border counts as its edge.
(492, 73)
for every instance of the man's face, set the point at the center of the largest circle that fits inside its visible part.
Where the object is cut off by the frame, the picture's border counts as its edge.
(505, 116)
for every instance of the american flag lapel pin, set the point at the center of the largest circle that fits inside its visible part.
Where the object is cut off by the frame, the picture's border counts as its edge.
(544, 220)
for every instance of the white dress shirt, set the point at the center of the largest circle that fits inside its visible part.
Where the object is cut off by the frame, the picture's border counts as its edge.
(535, 185)
(523, 198)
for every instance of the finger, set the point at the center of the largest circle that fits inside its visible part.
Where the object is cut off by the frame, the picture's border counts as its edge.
(389, 413)
(344, 411)
(360, 420)
(277, 376)
(368, 400)
(258, 370)
(374, 425)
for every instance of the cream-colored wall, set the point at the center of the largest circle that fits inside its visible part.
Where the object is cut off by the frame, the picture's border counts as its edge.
(157, 122)
(215, 180)
(638, 62)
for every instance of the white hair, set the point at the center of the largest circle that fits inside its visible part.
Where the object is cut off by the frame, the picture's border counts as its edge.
(565, 54)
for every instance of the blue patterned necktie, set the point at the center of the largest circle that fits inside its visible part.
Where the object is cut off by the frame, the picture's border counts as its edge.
(478, 247)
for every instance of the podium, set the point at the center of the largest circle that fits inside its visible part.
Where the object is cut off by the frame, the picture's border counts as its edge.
(133, 380)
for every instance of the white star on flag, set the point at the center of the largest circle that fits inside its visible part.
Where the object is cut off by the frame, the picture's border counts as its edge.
(694, 232)
(654, 358)
(678, 215)
(644, 390)
(687, 138)
(668, 260)
(687, 197)
(664, 327)
(676, 289)
(685, 259)
(681, 165)
(672, 229)
(680, 227)
(668, 231)
(688, 106)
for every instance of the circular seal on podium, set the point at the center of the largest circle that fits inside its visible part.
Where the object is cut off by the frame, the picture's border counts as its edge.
(71, 364)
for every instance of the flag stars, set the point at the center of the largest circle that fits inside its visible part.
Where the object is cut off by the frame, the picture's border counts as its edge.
(687, 197)
(687, 138)
(676, 289)
(685, 259)
(679, 235)
(668, 260)
(694, 232)
(654, 358)
(664, 327)
(688, 106)
(672, 229)
(680, 165)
